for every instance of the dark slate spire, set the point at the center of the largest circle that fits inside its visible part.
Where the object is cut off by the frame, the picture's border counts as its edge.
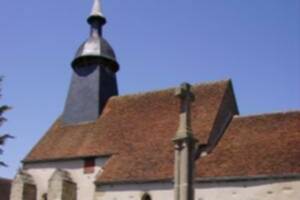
(94, 77)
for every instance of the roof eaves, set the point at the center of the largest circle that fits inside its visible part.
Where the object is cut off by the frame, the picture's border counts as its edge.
(285, 177)
(65, 159)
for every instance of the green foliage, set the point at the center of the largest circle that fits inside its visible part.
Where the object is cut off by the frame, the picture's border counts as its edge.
(3, 137)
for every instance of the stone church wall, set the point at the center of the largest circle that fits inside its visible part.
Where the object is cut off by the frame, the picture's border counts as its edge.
(23, 187)
(157, 191)
(250, 190)
(241, 190)
(256, 189)
(42, 172)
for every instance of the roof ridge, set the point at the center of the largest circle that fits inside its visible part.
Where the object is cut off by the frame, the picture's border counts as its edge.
(267, 114)
(170, 88)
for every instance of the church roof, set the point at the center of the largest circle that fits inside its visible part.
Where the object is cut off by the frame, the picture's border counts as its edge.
(136, 131)
(136, 124)
(253, 146)
(261, 145)
(96, 50)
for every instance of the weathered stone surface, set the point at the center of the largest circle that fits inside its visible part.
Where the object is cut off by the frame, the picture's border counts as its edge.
(23, 187)
(184, 146)
(61, 186)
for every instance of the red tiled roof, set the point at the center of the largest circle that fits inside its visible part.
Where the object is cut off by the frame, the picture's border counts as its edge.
(256, 145)
(149, 154)
(137, 130)
(262, 145)
(5, 186)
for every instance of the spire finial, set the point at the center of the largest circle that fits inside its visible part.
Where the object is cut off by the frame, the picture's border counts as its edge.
(97, 9)
(97, 14)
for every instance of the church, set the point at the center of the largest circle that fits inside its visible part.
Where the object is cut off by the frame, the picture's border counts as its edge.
(136, 147)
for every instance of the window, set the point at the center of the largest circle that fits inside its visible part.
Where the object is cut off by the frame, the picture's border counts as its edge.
(146, 196)
(89, 165)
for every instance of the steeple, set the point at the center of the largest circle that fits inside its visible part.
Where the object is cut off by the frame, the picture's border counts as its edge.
(94, 74)
(96, 48)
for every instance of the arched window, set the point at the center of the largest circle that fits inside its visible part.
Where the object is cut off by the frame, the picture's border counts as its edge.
(146, 196)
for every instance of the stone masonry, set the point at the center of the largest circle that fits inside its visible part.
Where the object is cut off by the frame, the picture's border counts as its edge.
(61, 186)
(185, 146)
(23, 187)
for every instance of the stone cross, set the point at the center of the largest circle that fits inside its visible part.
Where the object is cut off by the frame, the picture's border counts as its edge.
(184, 146)
(186, 97)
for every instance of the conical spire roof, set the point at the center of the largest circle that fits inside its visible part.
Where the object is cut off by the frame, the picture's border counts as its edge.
(97, 14)
(97, 9)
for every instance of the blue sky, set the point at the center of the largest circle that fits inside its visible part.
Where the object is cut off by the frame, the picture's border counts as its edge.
(159, 44)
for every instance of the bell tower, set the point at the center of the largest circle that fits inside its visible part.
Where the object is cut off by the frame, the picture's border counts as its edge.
(94, 74)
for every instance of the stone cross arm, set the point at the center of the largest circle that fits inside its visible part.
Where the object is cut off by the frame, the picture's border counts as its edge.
(184, 92)
(186, 97)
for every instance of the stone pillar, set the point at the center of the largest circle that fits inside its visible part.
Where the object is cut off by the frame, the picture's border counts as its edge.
(23, 187)
(184, 147)
(61, 186)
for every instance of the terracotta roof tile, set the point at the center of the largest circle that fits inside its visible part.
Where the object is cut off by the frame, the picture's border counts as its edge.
(136, 130)
(135, 127)
(256, 146)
